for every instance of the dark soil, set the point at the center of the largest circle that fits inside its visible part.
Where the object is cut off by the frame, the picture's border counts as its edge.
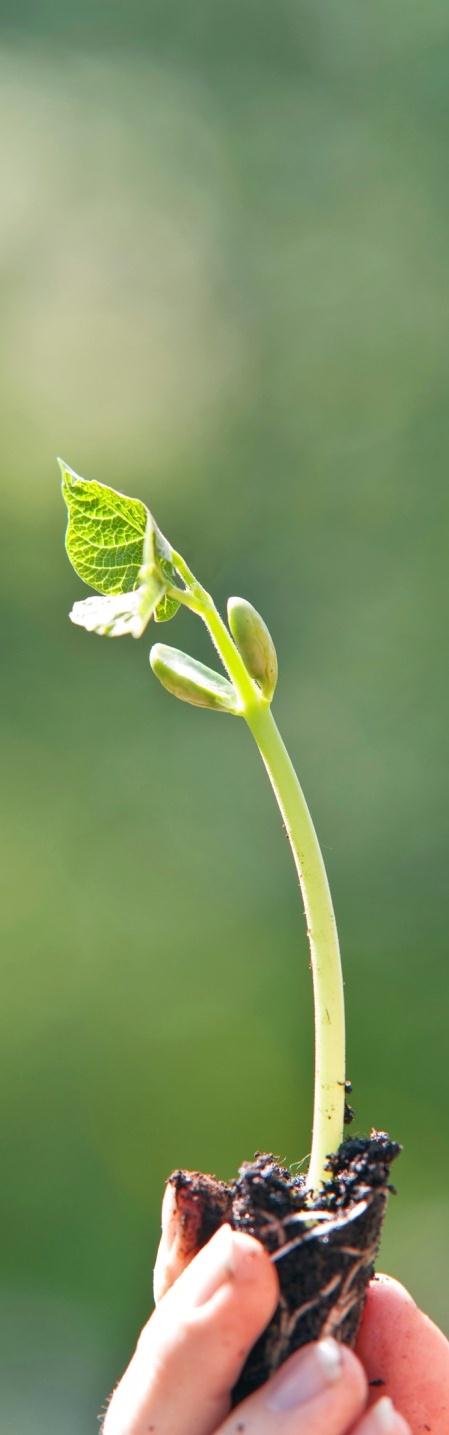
(324, 1249)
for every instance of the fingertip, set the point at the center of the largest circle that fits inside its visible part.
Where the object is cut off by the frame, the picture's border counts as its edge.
(321, 1387)
(383, 1419)
(384, 1288)
(253, 1265)
(354, 1373)
(405, 1355)
(388, 1307)
(215, 1313)
(247, 1291)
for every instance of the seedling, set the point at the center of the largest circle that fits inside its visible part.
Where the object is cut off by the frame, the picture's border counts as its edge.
(116, 547)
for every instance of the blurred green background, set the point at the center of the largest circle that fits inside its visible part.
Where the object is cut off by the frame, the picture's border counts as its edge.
(223, 239)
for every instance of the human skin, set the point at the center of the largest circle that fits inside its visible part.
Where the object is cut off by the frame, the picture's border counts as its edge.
(212, 1306)
(400, 1345)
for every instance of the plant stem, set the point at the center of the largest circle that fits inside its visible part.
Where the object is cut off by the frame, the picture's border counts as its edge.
(323, 942)
(321, 926)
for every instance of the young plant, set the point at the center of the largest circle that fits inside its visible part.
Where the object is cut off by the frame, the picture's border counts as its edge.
(322, 1229)
(116, 547)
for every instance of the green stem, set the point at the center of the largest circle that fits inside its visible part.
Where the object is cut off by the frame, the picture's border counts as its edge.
(321, 926)
(323, 942)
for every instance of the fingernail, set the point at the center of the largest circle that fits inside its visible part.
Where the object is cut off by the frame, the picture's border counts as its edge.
(306, 1374)
(382, 1418)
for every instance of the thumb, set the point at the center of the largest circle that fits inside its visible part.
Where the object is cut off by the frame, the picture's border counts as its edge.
(407, 1354)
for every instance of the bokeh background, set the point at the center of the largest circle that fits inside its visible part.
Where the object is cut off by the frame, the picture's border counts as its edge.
(223, 239)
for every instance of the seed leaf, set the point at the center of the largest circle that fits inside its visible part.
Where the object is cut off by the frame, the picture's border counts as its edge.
(191, 681)
(255, 644)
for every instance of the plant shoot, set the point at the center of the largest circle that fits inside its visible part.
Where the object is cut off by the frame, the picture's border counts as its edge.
(116, 547)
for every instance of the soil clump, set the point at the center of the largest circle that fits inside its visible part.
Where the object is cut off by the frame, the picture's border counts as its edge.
(324, 1248)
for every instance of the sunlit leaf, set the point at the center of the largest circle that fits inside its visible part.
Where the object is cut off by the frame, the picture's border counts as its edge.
(105, 533)
(117, 548)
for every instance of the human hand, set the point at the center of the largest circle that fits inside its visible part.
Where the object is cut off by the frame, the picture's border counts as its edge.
(212, 1309)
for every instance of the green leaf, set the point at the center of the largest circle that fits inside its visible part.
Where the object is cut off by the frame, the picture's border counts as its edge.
(191, 681)
(166, 609)
(254, 643)
(105, 533)
(168, 605)
(115, 545)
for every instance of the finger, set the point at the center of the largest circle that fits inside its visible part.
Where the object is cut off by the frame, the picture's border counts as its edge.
(402, 1348)
(322, 1388)
(382, 1419)
(177, 1246)
(191, 1352)
(193, 1208)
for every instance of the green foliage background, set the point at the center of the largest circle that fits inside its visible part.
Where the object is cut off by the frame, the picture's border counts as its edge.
(223, 239)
